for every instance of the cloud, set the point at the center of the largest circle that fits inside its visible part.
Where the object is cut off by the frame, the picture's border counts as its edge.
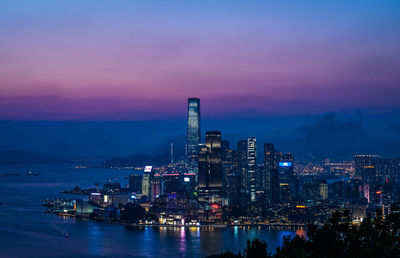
(327, 129)
(332, 137)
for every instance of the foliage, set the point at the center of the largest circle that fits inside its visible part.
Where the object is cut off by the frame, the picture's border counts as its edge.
(255, 248)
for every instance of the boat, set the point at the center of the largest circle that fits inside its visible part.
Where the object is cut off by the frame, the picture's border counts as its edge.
(30, 173)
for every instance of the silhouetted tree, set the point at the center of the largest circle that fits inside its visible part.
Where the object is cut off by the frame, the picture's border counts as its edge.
(256, 248)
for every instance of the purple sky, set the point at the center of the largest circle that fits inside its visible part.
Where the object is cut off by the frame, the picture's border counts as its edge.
(68, 60)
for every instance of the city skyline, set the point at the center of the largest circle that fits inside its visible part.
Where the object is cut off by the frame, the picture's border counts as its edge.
(208, 128)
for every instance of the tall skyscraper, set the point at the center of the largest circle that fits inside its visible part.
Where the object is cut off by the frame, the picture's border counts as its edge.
(228, 164)
(271, 164)
(242, 163)
(172, 153)
(389, 168)
(242, 172)
(251, 168)
(287, 183)
(213, 143)
(135, 183)
(323, 190)
(366, 167)
(193, 134)
(210, 179)
(146, 184)
(272, 180)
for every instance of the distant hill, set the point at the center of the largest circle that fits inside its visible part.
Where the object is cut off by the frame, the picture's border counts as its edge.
(137, 160)
(13, 157)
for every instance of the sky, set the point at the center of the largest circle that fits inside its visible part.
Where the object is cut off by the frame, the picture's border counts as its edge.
(280, 70)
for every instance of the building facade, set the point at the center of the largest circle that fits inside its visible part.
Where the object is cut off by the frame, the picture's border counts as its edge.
(193, 134)
(210, 179)
(252, 169)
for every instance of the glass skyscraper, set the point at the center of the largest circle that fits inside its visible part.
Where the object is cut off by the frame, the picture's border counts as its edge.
(271, 164)
(193, 135)
(251, 168)
(210, 179)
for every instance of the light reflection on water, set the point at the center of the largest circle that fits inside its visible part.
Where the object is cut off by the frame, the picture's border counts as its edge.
(26, 230)
(95, 238)
(301, 232)
(182, 247)
(235, 230)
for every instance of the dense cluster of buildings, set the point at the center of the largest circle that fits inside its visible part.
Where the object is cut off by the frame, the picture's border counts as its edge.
(217, 184)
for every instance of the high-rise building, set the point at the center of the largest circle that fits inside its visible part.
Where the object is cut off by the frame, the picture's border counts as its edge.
(210, 179)
(275, 187)
(366, 167)
(213, 143)
(269, 154)
(251, 169)
(323, 190)
(146, 181)
(389, 168)
(224, 150)
(155, 186)
(287, 180)
(271, 179)
(231, 179)
(172, 153)
(193, 134)
(146, 185)
(135, 183)
(242, 163)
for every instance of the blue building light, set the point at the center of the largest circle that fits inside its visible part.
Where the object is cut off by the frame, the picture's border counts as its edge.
(285, 164)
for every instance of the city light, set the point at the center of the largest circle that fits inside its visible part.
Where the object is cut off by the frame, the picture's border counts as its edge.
(148, 168)
(95, 194)
(285, 164)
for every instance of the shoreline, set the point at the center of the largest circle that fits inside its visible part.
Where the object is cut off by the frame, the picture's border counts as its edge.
(180, 226)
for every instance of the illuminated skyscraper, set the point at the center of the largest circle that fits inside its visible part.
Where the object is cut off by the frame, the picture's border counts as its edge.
(146, 184)
(242, 172)
(242, 164)
(366, 170)
(193, 134)
(323, 190)
(272, 180)
(210, 179)
(286, 179)
(251, 169)
(389, 168)
(269, 166)
(366, 167)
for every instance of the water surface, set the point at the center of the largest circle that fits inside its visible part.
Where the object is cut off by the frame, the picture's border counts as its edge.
(26, 231)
